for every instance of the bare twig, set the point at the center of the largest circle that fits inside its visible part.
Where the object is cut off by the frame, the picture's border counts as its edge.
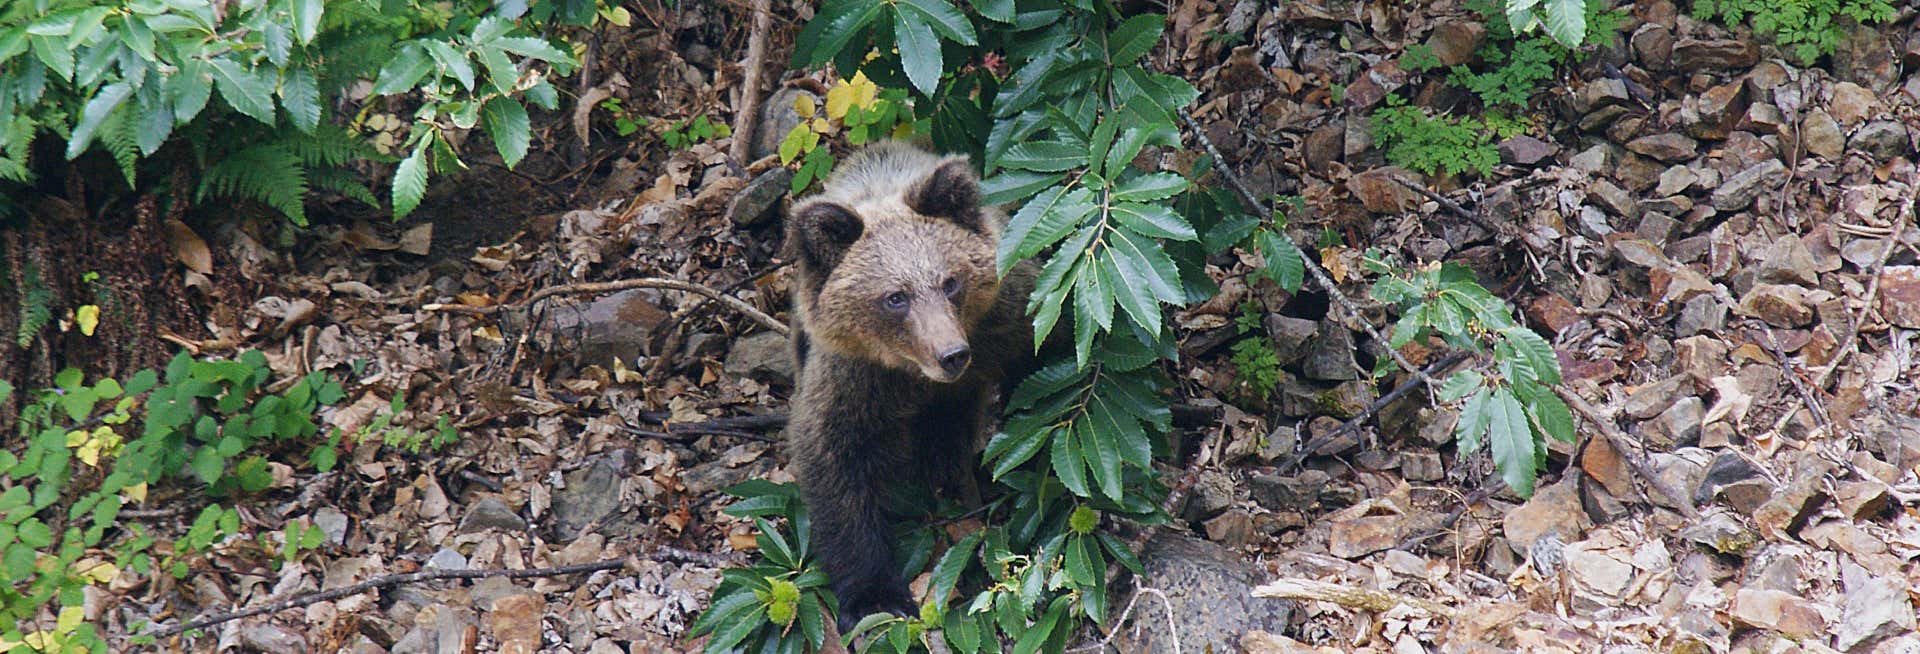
(655, 553)
(747, 119)
(769, 322)
(1313, 267)
(1622, 445)
(1173, 629)
(1444, 364)
(1367, 599)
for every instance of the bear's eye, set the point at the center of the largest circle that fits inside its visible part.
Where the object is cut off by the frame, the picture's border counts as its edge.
(895, 301)
(951, 287)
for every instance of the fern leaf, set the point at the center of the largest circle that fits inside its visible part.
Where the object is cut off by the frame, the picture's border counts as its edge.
(269, 173)
(36, 305)
(119, 140)
(342, 182)
(327, 145)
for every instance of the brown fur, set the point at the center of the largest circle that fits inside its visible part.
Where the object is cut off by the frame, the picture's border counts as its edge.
(874, 409)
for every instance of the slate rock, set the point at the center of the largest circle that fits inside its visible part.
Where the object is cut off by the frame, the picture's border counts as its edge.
(1822, 135)
(1525, 150)
(1210, 589)
(1900, 295)
(765, 356)
(591, 495)
(1669, 147)
(1330, 354)
(1741, 188)
(1780, 305)
(1693, 54)
(1734, 480)
(1721, 532)
(1876, 608)
(491, 513)
(755, 203)
(1884, 139)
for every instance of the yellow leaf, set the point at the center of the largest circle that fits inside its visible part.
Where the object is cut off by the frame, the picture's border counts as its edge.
(803, 105)
(488, 332)
(89, 317)
(70, 619)
(620, 16)
(838, 99)
(40, 641)
(903, 130)
(820, 126)
(101, 571)
(76, 437)
(864, 90)
(8, 644)
(135, 493)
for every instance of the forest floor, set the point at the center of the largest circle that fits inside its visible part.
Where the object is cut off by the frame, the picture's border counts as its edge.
(1719, 243)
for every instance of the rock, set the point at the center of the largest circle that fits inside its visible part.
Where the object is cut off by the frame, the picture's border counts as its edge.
(331, 522)
(1600, 576)
(1822, 135)
(754, 204)
(491, 513)
(1722, 533)
(1668, 147)
(1783, 612)
(1884, 139)
(1675, 180)
(713, 476)
(617, 326)
(777, 118)
(1379, 193)
(1612, 198)
(1324, 146)
(1713, 113)
(447, 559)
(1791, 506)
(1762, 118)
(1330, 354)
(1525, 150)
(1852, 103)
(1876, 608)
(515, 622)
(1649, 400)
(1591, 160)
(1652, 46)
(1863, 500)
(1734, 480)
(1281, 493)
(1656, 218)
(1701, 313)
(263, 636)
(1232, 528)
(1788, 261)
(1210, 590)
(1682, 468)
(1680, 423)
(591, 495)
(1602, 93)
(1694, 54)
(1290, 336)
(1422, 466)
(1280, 443)
(1900, 295)
(1454, 42)
(1740, 189)
(1212, 493)
(1552, 312)
(1779, 305)
(765, 355)
(1552, 510)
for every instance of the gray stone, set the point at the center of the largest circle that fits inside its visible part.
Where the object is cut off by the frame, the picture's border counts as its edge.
(1675, 180)
(491, 513)
(777, 118)
(1884, 139)
(1739, 190)
(1282, 493)
(766, 356)
(1876, 608)
(1649, 400)
(264, 636)
(1210, 590)
(1591, 160)
(1330, 354)
(1656, 226)
(1722, 533)
(1422, 466)
(1290, 336)
(591, 495)
(1852, 103)
(1681, 422)
(1612, 198)
(1669, 147)
(754, 204)
(1601, 93)
(1788, 261)
(1900, 295)
(1279, 443)
(447, 559)
(331, 522)
(1780, 305)
(1701, 313)
(1652, 46)
(616, 326)
(1212, 493)
(1693, 54)
(1526, 150)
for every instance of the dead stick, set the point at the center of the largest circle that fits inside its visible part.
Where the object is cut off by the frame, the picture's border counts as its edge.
(747, 120)
(1622, 445)
(1313, 267)
(769, 322)
(655, 553)
(1377, 601)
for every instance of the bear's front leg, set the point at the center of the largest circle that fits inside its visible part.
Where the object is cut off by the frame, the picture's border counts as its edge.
(846, 455)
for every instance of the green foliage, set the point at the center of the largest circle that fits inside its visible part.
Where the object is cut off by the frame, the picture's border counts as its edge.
(1515, 64)
(1434, 144)
(1255, 363)
(698, 129)
(1811, 28)
(1510, 406)
(88, 449)
(859, 108)
(781, 601)
(131, 76)
(1419, 58)
(624, 122)
(36, 304)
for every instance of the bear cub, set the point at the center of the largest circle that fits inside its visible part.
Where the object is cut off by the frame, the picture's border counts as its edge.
(903, 335)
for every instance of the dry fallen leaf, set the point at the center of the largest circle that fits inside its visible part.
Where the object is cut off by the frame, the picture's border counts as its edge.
(188, 248)
(417, 241)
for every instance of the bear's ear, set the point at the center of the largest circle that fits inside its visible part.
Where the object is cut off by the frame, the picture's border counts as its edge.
(951, 191)
(821, 231)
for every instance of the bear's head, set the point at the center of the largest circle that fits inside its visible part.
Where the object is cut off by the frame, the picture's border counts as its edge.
(899, 277)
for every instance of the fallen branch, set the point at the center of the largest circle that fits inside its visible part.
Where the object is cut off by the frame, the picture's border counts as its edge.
(1366, 599)
(1623, 446)
(769, 322)
(748, 118)
(1173, 628)
(654, 553)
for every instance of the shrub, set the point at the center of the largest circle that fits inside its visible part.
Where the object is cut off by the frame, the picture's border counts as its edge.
(1811, 28)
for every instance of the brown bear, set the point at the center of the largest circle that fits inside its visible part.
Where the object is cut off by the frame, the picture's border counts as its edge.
(904, 332)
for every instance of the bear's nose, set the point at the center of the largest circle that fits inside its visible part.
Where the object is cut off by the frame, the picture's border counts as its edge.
(955, 360)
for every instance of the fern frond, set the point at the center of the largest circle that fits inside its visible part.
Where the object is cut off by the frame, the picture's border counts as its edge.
(328, 145)
(118, 138)
(342, 182)
(16, 146)
(269, 173)
(36, 304)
